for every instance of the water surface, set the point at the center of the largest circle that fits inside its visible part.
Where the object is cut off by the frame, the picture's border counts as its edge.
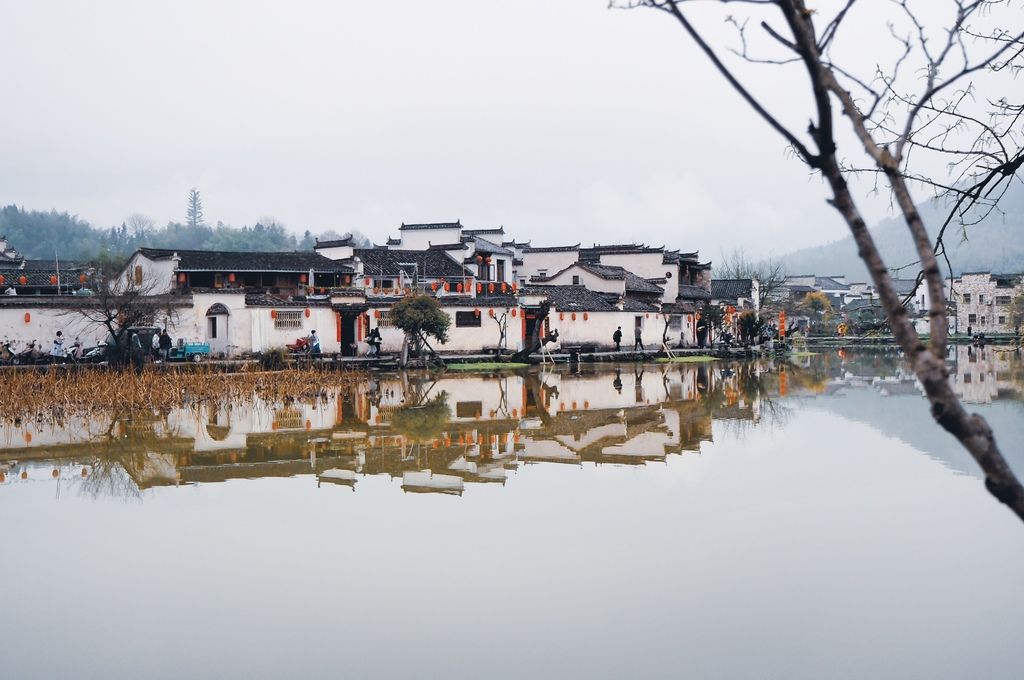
(799, 519)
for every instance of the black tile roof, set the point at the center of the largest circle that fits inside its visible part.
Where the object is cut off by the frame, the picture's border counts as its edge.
(551, 249)
(692, 293)
(731, 289)
(488, 248)
(432, 263)
(345, 240)
(582, 299)
(572, 298)
(830, 283)
(238, 261)
(39, 277)
(479, 232)
(634, 283)
(431, 225)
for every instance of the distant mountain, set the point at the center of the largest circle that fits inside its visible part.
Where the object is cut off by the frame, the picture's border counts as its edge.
(997, 244)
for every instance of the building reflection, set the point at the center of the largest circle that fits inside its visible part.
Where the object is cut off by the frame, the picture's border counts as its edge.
(439, 434)
(435, 435)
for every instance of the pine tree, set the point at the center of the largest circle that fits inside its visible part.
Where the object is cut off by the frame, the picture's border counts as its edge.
(194, 214)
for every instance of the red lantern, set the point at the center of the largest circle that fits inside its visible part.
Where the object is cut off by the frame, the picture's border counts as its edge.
(585, 316)
(479, 258)
(574, 316)
(302, 278)
(2, 279)
(479, 289)
(515, 287)
(308, 312)
(273, 313)
(447, 287)
(458, 287)
(513, 312)
(28, 317)
(476, 312)
(231, 277)
(490, 313)
(433, 286)
(561, 316)
(181, 277)
(366, 281)
(53, 280)
(490, 287)
(504, 287)
(23, 279)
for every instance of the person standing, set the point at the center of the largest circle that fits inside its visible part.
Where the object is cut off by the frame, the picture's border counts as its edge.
(58, 346)
(137, 352)
(314, 343)
(617, 339)
(638, 343)
(165, 345)
(154, 345)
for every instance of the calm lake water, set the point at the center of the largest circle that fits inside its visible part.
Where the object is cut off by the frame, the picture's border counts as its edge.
(801, 519)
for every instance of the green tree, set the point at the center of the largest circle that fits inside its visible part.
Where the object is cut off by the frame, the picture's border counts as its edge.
(420, 317)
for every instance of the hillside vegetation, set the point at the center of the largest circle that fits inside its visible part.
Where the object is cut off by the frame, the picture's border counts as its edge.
(996, 245)
(42, 235)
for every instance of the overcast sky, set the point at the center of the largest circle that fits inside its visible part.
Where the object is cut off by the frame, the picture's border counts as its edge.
(561, 120)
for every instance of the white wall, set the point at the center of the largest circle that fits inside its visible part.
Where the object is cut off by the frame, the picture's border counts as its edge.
(336, 252)
(550, 261)
(421, 239)
(648, 266)
(157, 275)
(591, 281)
(460, 339)
(598, 328)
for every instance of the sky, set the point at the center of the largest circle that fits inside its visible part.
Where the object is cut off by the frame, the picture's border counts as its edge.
(562, 121)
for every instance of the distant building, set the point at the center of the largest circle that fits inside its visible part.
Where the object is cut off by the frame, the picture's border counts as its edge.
(983, 300)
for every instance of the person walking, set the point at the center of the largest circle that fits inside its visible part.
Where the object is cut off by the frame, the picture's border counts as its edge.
(165, 345)
(638, 343)
(617, 339)
(137, 352)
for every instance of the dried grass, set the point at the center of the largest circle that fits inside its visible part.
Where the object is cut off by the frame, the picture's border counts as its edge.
(63, 393)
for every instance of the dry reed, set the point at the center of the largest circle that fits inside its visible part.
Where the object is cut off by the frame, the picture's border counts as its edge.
(62, 393)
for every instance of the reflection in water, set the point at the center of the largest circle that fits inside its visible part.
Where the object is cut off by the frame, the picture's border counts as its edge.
(436, 434)
(567, 511)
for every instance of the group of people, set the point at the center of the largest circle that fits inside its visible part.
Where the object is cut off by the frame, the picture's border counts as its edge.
(638, 339)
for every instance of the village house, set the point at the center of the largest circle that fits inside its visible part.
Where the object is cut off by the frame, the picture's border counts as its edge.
(491, 286)
(983, 301)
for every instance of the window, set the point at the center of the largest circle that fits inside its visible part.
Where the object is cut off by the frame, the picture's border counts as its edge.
(218, 280)
(288, 318)
(212, 323)
(1002, 299)
(983, 320)
(467, 320)
(967, 378)
(972, 318)
(1002, 321)
(542, 272)
(981, 299)
(468, 409)
(575, 279)
(138, 275)
(499, 269)
(967, 298)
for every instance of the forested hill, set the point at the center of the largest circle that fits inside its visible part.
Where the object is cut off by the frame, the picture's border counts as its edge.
(41, 235)
(996, 245)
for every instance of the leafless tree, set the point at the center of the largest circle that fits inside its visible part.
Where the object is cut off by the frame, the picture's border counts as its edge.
(769, 273)
(122, 300)
(944, 95)
(139, 225)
